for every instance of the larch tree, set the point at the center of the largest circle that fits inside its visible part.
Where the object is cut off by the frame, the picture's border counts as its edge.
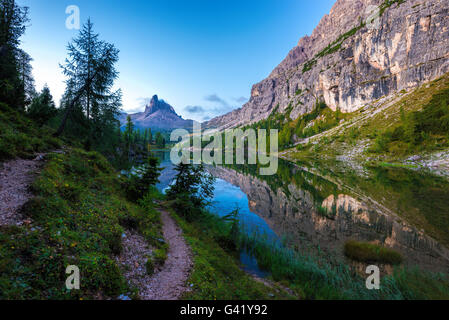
(90, 69)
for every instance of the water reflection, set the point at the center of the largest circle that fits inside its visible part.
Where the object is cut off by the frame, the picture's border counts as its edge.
(324, 205)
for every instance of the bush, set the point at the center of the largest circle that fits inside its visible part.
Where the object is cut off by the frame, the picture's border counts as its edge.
(371, 253)
(140, 183)
(191, 191)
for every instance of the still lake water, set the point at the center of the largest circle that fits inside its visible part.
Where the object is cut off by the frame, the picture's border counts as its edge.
(319, 206)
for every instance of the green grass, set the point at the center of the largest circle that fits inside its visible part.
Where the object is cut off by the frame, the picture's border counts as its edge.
(216, 273)
(371, 253)
(396, 165)
(318, 276)
(388, 3)
(418, 131)
(21, 137)
(78, 215)
(417, 123)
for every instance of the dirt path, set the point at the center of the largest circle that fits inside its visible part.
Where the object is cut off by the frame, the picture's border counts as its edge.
(169, 283)
(15, 179)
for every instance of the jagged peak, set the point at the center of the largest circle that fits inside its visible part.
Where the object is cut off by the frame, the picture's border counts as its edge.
(157, 104)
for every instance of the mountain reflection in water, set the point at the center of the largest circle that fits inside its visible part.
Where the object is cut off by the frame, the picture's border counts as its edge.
(324, 205)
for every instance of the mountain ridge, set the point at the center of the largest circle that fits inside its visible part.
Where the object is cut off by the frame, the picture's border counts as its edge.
(349, 65)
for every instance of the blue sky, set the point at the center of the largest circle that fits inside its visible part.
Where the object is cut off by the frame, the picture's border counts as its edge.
(201, 56)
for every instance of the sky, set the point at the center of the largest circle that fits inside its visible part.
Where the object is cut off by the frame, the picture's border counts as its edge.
(201, 56)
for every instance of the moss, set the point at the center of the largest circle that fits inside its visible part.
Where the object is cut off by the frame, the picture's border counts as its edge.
(371, 253)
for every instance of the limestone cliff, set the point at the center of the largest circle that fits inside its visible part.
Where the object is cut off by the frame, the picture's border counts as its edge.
(361, 51)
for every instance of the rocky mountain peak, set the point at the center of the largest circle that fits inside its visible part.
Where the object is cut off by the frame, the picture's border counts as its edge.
(349, 63)
(158, 115)
(157, 105)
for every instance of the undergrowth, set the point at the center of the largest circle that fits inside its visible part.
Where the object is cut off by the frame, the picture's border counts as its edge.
(77, 217)
(21, 137)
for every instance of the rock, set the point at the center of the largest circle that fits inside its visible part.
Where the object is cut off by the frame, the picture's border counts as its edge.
(414, 158)
(158, 114)
(411, 47)
(40, 157)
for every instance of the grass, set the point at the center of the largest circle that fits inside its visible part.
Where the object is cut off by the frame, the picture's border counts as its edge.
(21, 137)
(418, 131)
(371, 253)
(78, 215)
(216, 273)
(320, 277)
(415, 123)
(397, 165)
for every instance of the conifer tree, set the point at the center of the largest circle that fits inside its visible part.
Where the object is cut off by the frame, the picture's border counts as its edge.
(90, 69)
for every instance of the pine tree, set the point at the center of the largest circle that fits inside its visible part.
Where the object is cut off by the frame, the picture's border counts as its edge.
(192, 189)
(128, 134)
(12, 26)
(42, 108)
(26, 77)
(91, 73)
(150, 136)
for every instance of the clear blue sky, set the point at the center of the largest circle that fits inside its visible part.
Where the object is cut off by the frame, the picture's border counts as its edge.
(201, 56)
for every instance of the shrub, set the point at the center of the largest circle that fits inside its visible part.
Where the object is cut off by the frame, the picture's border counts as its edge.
(140, 183)
(368, 252)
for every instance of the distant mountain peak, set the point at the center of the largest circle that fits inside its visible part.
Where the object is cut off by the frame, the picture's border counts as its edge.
(158, 114)
(156, 105)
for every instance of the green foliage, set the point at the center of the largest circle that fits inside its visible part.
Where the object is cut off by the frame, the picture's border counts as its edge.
(216, 273)
(315, 277)
(20, 137)
(371, 253)
(143, 180)
(387, 4)
(309, 65)
(16, 83)
(192, 189)
(319, 120)
(159, 256)
(79, 215)
(160, 140)
(331, 48)
(90, 71)
(42, 109)
(418, 130)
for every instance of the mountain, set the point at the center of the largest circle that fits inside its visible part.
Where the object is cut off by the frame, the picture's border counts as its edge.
(349, 61)
(158, 115)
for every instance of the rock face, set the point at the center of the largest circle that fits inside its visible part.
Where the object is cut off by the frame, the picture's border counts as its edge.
(158, 115)
(352, 59)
